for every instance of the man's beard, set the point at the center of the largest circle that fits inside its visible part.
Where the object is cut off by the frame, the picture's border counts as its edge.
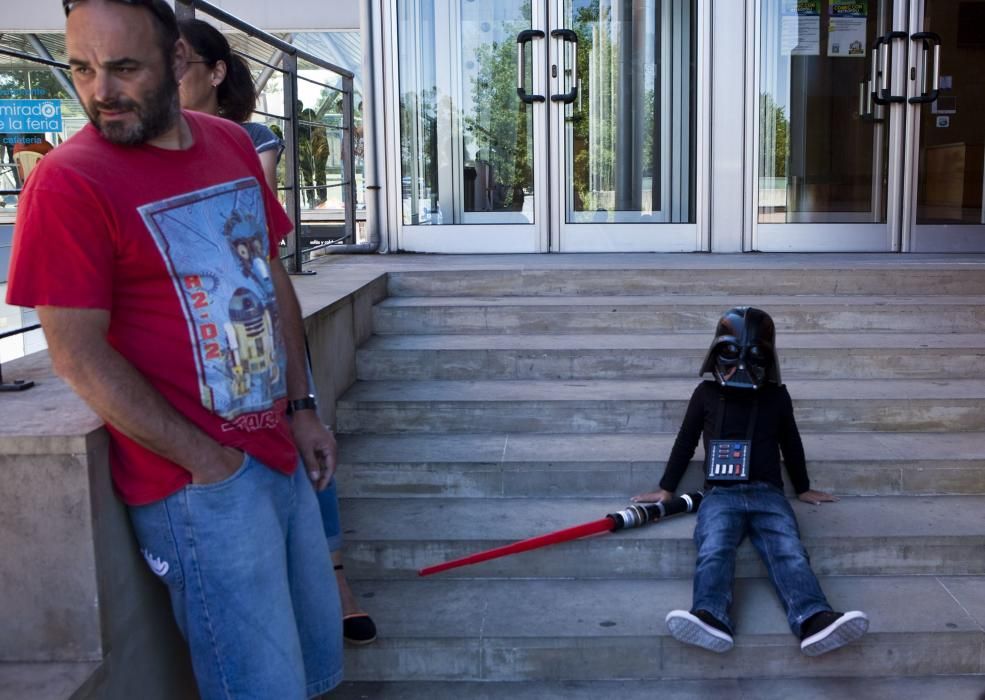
(156, 113)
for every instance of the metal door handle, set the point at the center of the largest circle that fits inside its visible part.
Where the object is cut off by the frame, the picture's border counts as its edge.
(571, 95)
(525, 37)
(876, 71)
(867, 97)
(928, 38)
(885, 94)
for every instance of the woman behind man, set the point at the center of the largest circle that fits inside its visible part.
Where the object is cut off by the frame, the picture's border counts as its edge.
(219, 82)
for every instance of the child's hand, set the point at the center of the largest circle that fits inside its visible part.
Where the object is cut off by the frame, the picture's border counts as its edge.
(653, 497)
(817, 497)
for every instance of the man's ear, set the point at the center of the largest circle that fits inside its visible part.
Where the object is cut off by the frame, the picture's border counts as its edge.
(180, 61)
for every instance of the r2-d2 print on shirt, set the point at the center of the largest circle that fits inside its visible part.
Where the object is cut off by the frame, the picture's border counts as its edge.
(216, 246)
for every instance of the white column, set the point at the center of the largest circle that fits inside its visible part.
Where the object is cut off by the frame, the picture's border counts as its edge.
(730, 62)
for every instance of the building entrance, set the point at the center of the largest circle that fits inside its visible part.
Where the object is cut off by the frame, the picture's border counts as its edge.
(585, 125)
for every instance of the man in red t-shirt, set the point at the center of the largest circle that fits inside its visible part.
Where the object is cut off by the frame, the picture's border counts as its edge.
(148, 244)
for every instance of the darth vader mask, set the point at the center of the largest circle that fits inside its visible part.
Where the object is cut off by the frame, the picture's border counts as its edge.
(743, 354)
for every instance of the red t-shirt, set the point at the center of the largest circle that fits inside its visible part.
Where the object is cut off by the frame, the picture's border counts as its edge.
(175, 245)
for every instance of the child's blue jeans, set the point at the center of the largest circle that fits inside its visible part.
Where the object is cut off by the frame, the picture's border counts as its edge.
(761, 511)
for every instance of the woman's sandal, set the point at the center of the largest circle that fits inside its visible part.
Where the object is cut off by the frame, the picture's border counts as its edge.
(357, 628)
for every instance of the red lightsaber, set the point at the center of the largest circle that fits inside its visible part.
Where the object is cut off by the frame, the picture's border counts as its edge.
(633, 516)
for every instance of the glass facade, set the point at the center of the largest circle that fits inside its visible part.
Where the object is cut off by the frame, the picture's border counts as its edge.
(561, 115)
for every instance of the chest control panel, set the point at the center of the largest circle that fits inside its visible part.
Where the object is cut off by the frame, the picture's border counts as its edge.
(727, 460)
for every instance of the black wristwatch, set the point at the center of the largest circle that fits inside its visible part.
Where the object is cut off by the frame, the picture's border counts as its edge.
(308, 403)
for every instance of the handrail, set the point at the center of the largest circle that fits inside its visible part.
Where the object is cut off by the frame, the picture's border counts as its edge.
(34, 59)
(19, 331)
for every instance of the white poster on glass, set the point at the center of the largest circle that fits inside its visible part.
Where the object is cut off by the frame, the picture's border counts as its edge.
(800, 28)
(846, 28)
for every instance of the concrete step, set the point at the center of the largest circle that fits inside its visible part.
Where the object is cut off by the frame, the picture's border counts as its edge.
(602, 630)
(913, 688)
(647, 406)
(618, 465)
(651, 314)
(47, 681)
(622, 356)
(855, 536)
(702, 277)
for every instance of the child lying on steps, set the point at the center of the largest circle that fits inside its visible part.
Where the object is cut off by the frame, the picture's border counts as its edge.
(746, 418)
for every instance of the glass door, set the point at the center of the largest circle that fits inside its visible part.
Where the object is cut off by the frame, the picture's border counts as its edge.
(869, 134)
(472, 128)
(946, 130)
(550, 125)
(826, 131)
(625, 103)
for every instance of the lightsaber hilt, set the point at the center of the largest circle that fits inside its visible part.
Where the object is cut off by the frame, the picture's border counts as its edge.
(638, 515)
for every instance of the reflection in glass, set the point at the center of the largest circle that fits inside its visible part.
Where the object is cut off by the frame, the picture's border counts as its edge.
(630, 130)
(823, 142)
(321, 131)
(466, 139)
(952, 132)
(20, 80)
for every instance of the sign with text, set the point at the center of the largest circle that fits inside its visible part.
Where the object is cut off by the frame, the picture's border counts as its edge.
(30, 116)
(800, 28)
(847, 28)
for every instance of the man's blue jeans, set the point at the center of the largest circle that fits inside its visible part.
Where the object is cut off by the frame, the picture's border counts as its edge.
(251, 584)
(761, 511)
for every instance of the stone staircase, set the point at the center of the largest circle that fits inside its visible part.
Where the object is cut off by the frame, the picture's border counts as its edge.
(493, 405)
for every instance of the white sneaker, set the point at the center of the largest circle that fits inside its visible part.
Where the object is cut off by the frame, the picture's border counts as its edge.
(687, 628)
(840, 630)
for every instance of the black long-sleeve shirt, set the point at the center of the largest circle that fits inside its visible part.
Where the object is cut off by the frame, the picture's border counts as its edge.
(775, 430)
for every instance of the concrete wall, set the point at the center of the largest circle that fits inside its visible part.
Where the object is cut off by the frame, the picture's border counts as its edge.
(334, 333)
(74, 589)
